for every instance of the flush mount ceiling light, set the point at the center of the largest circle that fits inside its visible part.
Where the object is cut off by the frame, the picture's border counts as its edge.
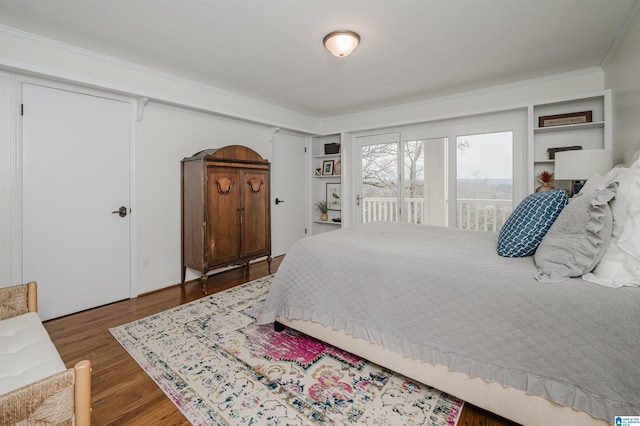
(341, 43)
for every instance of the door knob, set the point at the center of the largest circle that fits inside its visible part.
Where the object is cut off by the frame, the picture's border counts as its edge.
(122, 211)
(278, 201)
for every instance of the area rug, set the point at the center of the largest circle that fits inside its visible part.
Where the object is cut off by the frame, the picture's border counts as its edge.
(220, 368)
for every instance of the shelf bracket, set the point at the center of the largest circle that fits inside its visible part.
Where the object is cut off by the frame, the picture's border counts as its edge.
(142, 102)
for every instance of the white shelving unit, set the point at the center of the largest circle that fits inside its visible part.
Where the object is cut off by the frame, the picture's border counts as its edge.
(319, 182)
(593, 135)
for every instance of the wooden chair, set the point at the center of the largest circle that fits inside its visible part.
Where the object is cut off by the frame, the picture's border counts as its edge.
(60, 399)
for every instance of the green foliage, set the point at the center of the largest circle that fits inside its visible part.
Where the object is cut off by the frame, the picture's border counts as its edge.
(322, 205)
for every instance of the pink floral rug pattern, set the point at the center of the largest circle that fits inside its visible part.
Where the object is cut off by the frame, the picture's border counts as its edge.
(219, 367)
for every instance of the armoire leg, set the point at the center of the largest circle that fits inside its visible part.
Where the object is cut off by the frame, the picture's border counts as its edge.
(203, 281)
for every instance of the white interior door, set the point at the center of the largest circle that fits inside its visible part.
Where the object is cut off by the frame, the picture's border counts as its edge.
(288, 193)
(75, 173)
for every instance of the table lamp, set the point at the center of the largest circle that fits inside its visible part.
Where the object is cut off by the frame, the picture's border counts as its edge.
(578, 166)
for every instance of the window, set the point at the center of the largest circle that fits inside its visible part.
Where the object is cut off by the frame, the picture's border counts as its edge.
(484, 180)
(466, 172)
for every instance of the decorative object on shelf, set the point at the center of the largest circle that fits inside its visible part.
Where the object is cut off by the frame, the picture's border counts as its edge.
(322, 206)
(331, 148)
(327, 167)
(333, 196)
(341, 43)
(545, 177)
(337, 219)
(578, 166)
(337, 168)
(552, 151)
(318, 171)
(565, 119)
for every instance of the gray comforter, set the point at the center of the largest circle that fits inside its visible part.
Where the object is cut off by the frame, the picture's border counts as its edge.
(444, 296)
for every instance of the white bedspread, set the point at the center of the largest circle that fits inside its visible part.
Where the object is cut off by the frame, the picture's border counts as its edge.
(444, 296)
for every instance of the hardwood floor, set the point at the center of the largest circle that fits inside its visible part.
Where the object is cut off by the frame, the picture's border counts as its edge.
(122, 393)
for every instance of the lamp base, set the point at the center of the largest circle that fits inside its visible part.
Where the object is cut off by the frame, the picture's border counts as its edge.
(577, 186)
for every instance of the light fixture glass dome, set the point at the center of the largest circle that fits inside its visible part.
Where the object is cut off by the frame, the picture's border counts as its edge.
(341, 43)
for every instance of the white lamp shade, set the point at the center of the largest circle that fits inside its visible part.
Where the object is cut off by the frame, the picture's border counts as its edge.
(341, 43)
(582, 164)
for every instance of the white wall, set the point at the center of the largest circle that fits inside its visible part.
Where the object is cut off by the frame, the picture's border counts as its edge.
(165, 136)
(622, 76)
(36, 55)
(489, 100)
(5, 180)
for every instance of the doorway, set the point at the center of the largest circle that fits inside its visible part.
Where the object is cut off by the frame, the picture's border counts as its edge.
(402, 180)
(76, 203)
(288, 201)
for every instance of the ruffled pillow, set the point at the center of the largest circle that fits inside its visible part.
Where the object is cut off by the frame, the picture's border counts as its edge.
(578, 238)
(620, 265)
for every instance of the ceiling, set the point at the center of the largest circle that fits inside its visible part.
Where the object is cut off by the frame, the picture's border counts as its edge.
(271, 50)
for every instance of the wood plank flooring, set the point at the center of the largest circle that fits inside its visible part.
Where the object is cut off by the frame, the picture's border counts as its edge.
(122, 393)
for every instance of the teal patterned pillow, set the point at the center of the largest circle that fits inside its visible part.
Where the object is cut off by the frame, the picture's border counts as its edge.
(529, 222)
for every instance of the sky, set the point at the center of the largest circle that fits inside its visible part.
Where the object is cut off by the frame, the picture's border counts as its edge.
(489, 155)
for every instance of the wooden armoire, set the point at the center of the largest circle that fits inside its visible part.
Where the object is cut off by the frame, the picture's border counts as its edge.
(226, 216)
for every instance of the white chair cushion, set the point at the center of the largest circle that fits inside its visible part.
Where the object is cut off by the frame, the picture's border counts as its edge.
(26, 352)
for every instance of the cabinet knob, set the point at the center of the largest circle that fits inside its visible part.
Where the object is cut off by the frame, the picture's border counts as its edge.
(278, 201)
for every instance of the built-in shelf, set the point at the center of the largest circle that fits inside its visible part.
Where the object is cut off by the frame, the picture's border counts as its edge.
(327, 222)
(593, 135)
(581, 126)
(319, 182)
(327, 156)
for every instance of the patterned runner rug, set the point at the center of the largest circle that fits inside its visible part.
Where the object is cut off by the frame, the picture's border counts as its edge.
(219, 367)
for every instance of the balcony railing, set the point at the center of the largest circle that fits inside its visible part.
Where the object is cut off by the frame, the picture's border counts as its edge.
(483, 215)
(474, 214)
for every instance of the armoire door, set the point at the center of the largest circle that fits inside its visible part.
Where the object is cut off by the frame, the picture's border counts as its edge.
(223, 215)
(75, 173)
(256, 238)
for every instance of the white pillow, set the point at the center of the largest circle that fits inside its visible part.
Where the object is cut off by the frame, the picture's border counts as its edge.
(620, 265)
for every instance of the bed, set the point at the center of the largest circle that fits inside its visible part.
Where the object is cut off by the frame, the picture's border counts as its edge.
(439, 305)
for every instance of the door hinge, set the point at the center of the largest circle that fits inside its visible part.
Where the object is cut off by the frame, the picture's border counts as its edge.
(305, 149)
(21, 109)
(305, 231)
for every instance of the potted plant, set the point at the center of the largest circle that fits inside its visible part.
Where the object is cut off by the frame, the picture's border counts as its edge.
(545, 177)
(322, 206)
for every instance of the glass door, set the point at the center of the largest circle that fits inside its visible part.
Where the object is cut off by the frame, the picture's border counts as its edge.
(465, 172)
(402, 181)
(377, 189)
(424, 185)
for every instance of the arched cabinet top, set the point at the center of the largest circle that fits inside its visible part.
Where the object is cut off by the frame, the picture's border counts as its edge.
(230, 152)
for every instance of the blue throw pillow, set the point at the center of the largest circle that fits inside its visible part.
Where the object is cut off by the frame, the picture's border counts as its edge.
(529, 222)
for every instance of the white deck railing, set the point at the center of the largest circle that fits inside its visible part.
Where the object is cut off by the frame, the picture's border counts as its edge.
(475, 214)
(483, 215)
